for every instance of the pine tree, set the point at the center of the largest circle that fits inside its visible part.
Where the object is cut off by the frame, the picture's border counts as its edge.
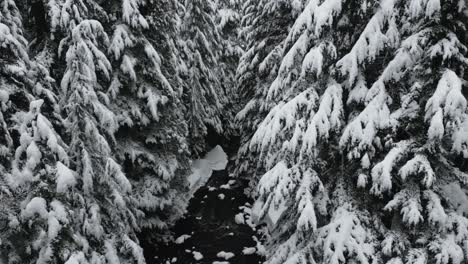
(328, 137)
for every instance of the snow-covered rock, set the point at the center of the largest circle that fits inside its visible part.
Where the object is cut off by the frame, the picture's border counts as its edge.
(248, 250)
(225, 186)
(225, 255)
(197, 255)
(239, 218)
(182, 239)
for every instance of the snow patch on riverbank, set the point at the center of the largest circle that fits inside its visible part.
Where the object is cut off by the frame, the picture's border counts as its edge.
(216, 159)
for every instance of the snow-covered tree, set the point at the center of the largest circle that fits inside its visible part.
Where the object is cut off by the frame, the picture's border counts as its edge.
(14, 66)
(34, 156)
(228, 23)
(151, 134)
(263, 29)
(204, 95)
(91, 126)
(348, 114)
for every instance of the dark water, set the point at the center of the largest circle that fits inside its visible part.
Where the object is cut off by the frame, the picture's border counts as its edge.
(211, 225)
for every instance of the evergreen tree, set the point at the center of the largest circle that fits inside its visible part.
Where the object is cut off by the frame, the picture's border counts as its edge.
(92, 187)
(34, 156)
(328, 137)
(204, 96)
(151, 138)
(228, 24)
(264, 25)
(90, 123)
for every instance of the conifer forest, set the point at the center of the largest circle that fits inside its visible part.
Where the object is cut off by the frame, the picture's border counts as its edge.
(234, 131)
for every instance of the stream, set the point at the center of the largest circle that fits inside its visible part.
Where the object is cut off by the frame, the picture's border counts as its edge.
(209, 232)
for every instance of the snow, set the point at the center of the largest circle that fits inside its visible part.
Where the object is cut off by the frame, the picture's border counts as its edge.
(181, 239)
(45, 132)
(76, 258)
(59, 211)
(418, 165)
(436, 212)
(412, 211)
(362, 180)
(128, 66)
(216, 159)
(34, 156)
(225, 255)
(326, 119)
(446, 112)
(274, 188)
(131, 14)
(4, 96)
(313, 62)
(114, 170)
(65, 178)
(345, 235)
(432, 7)
(456, 196)
(134, 249)
(370, 43)
(381, 172)
(436, 129)
(38, 206)
(54, 227)
(197, 255)
(120, 40)
(111, 253)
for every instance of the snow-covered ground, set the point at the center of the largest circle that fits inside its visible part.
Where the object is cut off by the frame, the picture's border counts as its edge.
(202, 169)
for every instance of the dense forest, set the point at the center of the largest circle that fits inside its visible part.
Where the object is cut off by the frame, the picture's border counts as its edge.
(347, 120)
